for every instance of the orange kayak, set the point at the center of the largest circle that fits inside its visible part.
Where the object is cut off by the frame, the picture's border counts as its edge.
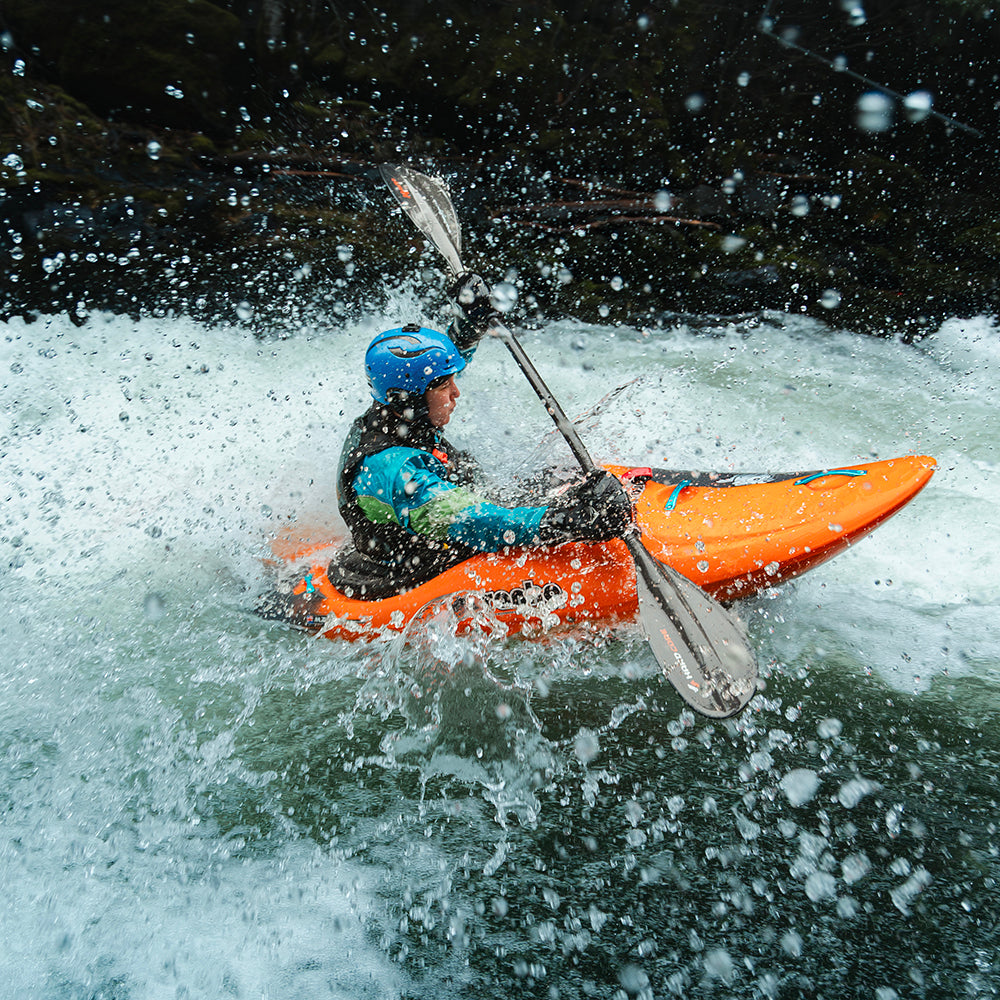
(731, 534)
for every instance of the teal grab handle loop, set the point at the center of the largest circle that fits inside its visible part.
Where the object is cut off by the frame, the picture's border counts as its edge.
(831, 472)
(310, 586)
(675, 495)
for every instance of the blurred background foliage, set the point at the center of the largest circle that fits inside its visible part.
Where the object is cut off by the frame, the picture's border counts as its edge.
(628, 161)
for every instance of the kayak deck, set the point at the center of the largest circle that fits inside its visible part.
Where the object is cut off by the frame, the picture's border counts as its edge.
(732, 535)
(734, 540)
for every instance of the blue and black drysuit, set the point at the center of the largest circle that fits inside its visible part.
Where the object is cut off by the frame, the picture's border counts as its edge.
(409, 499)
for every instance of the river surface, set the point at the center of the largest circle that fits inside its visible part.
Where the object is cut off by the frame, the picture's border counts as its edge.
(198, 803)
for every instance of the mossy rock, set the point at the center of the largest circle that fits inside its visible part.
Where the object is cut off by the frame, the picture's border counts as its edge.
(175, 62)
(982, 241)
(202, 145)
(54, 134)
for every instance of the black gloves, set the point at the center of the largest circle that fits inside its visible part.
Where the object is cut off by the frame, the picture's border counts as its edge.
(592, 511)
(473, 297)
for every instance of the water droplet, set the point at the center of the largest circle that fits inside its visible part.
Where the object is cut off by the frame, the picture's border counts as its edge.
(586, 746)
(153, 607)
(791, 944)
(153, 149)
(634, 812)
(855, 867)
(894, 820)
(830, 298)
(917, 106)
(719, 965)
(504, 296)
(829, 729)
(800, 785)
(617, 283)
(633, 980)
(244, 311)
(903, 895)
(875, 111)
(695, 103)
(853, 791)
(821, 885)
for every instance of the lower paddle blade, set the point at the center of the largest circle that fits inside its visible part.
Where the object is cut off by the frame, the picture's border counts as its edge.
(701, 647)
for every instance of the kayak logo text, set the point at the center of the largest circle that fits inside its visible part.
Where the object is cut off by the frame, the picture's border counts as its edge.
(543, 598)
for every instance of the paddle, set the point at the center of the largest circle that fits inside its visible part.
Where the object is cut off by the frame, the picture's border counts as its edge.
(700, 646)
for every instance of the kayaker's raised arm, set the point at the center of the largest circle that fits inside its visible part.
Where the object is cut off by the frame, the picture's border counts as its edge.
(472, 294)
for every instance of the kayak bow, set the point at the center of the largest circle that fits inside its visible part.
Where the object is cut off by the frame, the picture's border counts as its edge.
(731, 537)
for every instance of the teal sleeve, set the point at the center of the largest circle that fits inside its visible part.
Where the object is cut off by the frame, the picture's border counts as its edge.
(489, 528)
(406, 486)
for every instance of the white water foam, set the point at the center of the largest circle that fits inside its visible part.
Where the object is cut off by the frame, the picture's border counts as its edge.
(130, 547)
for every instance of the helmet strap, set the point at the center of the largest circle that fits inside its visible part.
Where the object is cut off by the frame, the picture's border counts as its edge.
(407, 406)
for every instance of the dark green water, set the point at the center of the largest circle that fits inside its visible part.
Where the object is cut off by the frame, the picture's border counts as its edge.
(198, 803)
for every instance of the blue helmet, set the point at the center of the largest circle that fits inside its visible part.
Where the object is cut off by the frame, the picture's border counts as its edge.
(405, 361)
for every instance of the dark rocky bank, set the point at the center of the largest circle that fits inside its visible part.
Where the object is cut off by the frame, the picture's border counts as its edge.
(629, 161)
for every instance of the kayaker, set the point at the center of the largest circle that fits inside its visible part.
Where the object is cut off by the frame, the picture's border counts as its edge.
(412, 500)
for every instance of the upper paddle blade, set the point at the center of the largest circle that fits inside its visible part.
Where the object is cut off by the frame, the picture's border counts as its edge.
(701, 647)
(427, 202)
